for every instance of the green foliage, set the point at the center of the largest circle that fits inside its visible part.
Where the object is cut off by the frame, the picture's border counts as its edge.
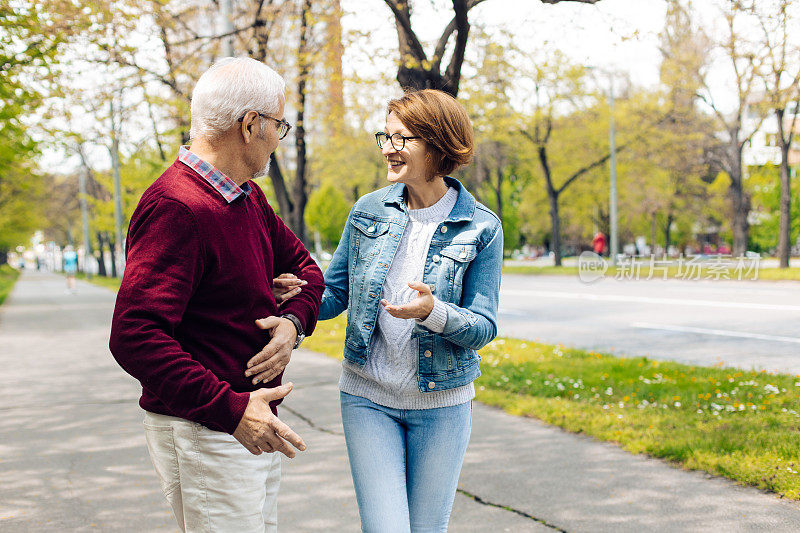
(766, 196)
(29, 39)
(351, 162)
(326, 213)
(102, 281)
(137, 172)
(8, 276)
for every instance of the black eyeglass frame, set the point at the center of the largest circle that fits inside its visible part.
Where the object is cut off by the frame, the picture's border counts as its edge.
(284, 126)
(390, 138)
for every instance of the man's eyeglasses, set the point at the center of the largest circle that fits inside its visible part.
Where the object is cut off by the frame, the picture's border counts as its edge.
(283, 126)
(398, 141)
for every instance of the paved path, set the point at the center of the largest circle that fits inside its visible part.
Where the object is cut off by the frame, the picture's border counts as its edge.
(72, 453)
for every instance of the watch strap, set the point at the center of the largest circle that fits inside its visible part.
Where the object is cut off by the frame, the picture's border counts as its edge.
(298, 326)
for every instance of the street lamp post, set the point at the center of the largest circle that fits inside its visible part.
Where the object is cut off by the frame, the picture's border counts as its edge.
(117, 189)
(87, 244)
(612, 160)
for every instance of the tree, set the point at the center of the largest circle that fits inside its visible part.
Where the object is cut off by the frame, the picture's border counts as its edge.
(740, 56)
(767, 198)
(487, 97)
(682, 144)
(187, 49)
(326, 213)
(29, 40)
(781, 77)
(415, 69)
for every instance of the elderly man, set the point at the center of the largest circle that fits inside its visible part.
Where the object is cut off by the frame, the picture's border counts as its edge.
(196, 321)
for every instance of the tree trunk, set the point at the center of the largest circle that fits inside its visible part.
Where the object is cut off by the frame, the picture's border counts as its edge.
(112, 246)
(3, 257)
(784, 233)
(334, 50)
(740, 200)
(653, 233)
(101, 262)
(499, 192)
(555, 222)
(668, 234)
(300, 195)
(285, 205)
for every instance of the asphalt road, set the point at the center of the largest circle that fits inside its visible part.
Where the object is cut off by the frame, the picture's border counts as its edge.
(747, 324)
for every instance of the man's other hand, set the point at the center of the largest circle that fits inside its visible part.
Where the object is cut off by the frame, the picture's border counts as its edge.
(260, 431)
(271, 361)
(285, 286)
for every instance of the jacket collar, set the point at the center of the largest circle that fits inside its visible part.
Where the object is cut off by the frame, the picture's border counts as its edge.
(464, 210)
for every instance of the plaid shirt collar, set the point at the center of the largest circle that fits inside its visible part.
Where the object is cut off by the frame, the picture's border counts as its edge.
(222, 183)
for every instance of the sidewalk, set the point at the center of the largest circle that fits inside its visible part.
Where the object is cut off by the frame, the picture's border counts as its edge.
(73, 458)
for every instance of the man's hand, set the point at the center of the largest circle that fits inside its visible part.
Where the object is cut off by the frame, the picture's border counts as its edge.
(285, 286)
(271, 361)
(261, 431)
(419, 308)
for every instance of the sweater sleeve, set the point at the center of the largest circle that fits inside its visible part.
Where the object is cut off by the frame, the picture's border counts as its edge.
(291, 256)
(164, 267)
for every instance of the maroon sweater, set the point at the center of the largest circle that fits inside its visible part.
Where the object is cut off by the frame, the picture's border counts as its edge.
(198, 274)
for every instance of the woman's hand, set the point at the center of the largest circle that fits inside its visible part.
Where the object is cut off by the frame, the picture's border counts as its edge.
(285, 286)
(419, 308)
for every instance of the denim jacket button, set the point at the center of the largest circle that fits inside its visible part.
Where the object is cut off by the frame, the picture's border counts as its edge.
(427, 353)
(444, 229)
(371, 229)
(431, 385)
(433, 288)
(463, 255)
(436, 258)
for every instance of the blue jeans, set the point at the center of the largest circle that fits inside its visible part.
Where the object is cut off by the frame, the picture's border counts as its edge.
(405, 463)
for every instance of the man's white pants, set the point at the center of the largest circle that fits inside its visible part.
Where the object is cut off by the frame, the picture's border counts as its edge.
(211, 481)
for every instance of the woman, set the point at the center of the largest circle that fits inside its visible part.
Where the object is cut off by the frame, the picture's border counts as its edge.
(418, 269)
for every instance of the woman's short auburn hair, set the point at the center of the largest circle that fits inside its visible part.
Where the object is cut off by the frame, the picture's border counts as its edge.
(442, 122)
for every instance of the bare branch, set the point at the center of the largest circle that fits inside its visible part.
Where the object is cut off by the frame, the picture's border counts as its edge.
(438, 53)
(402, 17)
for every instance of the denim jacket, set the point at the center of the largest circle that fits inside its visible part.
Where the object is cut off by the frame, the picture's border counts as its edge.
(463, 268)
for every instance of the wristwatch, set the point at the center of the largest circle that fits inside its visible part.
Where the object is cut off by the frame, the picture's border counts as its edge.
(298, 326)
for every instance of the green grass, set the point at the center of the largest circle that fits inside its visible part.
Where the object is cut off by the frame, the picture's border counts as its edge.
(541, 270)
(739, 424)
(8, 276)
(110, 283)
(706, 270)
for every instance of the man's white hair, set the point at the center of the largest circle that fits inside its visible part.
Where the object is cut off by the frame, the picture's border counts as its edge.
(229, 89)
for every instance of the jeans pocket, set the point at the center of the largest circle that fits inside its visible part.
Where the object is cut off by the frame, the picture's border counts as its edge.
(161, 445)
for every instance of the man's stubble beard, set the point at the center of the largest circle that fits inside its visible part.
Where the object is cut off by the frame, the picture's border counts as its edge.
(264, 171)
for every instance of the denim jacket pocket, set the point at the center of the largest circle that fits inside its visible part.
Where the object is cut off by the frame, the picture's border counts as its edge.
(460, 256)
(367, 238)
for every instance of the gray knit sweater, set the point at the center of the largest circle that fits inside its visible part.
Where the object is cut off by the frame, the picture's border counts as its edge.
(390, 376)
